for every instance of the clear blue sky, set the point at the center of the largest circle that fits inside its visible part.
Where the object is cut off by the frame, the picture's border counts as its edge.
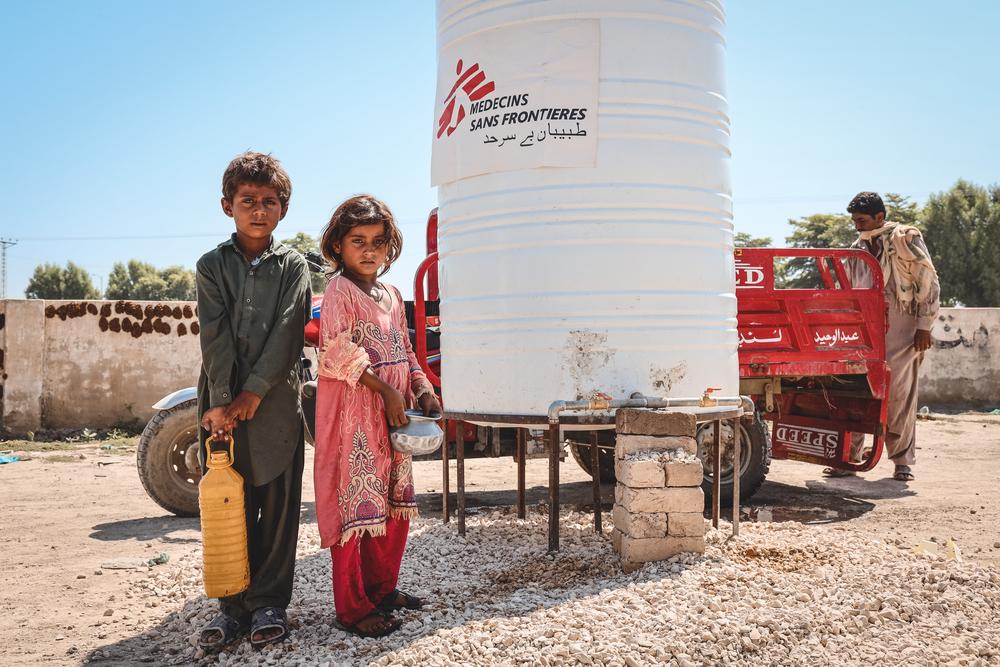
(119, 117)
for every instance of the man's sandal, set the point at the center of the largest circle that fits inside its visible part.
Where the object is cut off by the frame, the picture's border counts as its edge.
(391, 602)
(903, 474)
(268, 619)
(223, 630)
(379, 624)
(837, 472)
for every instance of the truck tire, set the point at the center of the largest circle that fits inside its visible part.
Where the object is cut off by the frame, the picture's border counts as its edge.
(167, 459)
(754, 464)
(605, 453)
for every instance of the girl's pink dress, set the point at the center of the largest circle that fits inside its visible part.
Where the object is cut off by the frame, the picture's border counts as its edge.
(360, 480)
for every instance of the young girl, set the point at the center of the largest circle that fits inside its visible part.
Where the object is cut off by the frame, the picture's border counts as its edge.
(368, 376)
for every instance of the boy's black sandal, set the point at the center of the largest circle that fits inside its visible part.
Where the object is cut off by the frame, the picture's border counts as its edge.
(223, 630)
(391, 602)
(268, 618)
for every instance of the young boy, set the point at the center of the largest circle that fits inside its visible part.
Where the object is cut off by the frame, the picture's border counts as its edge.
(253, 303)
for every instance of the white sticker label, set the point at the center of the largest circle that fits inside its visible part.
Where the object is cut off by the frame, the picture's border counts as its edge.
(517, 98)
(808, 440)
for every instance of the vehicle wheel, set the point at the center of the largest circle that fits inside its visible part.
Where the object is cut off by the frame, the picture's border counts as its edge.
(167, 459)
(605, 453)
(754, 463)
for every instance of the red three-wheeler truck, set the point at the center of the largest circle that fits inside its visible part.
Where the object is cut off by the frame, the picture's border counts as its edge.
(812, 359)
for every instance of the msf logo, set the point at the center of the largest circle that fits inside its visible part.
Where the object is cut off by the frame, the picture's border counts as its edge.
(475, 86)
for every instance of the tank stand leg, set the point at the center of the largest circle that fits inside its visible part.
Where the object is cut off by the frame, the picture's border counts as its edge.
(460, 460)
(736, 476)
(595, 466)
(553, 487)
(445, 510)
(520, 456)
(716, 472)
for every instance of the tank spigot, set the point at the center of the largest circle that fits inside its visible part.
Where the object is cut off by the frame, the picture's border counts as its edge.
(599, 401)
(706, 399)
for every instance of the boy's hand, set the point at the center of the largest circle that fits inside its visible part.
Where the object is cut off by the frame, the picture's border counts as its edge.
(429, 403)
(243, 407)
(395, 407)
(215, 421)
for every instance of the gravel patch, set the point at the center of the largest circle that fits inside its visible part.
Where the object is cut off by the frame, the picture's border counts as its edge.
(780, 594)
(663, 455)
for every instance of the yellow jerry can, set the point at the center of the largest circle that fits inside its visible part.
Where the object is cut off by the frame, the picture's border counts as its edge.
(223, 524)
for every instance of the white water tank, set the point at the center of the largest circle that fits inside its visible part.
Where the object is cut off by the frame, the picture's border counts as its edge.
(602, 260)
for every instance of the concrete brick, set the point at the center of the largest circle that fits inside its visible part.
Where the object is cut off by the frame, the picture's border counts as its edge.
(687, 473)
(676, 499)
(640, 474)
(629, 444)
(640, 524)
(686, 524)
(637, 421)
(634, 551)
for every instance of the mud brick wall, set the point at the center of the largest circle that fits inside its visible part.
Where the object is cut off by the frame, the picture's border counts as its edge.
(658, 497)
(94, 364)
(962, 369)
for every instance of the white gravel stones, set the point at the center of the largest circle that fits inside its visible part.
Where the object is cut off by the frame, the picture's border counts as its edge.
(782, 594)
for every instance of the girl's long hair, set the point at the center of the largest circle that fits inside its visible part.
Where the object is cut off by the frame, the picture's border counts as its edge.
(354, 212)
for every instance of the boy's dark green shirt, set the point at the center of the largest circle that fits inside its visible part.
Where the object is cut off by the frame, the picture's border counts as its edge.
(252, 316)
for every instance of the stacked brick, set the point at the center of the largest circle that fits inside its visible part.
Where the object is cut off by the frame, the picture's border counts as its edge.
(658, 497)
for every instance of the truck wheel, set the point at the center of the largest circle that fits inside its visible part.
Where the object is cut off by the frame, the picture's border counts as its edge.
(167, 459)
(605, 453)
(755, 461)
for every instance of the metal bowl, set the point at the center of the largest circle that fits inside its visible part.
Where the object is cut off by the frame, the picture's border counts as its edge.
(420, 436)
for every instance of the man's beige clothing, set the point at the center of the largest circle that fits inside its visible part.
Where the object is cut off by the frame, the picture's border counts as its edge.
(904, 361)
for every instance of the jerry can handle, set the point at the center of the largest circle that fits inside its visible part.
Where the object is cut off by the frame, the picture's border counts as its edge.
(220, 458)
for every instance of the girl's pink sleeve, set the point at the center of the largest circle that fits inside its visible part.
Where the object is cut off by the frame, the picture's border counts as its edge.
(340, 358)
(419, 384)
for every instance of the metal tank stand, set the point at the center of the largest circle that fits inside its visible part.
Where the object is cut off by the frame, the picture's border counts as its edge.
(522, 454)
(705, 409)
(716, 454)
(444, 473)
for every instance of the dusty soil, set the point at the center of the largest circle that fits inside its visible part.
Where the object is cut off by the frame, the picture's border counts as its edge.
(70, 512)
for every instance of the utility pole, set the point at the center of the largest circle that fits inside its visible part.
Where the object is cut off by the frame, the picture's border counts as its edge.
(4, 243)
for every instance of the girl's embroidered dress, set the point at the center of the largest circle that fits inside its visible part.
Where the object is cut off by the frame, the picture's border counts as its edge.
(360, 480)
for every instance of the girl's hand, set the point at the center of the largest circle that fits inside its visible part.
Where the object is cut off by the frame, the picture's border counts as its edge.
(395, 407)
(429, 403)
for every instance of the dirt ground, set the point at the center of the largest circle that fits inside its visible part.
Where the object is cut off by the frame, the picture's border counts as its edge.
(70, 514)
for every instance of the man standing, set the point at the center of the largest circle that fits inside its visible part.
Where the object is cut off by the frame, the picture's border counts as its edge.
(911, 291)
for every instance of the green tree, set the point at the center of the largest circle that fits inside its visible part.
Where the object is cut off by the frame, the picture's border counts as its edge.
(899, 208)
(50, 281)
(304, 243)
(832, 230)
(821, 230)
(962, 226)
(180, 284)
(744, 240)
(144, 282)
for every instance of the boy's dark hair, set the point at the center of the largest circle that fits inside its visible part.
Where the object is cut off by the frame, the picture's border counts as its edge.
(868, 203)
(259, 169)
(355, 212)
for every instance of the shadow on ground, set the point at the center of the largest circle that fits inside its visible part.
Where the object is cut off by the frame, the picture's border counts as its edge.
(153, 528)
(499, 592)
(821, 501)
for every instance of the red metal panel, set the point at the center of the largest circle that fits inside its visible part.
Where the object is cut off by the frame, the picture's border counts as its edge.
(809, 335)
